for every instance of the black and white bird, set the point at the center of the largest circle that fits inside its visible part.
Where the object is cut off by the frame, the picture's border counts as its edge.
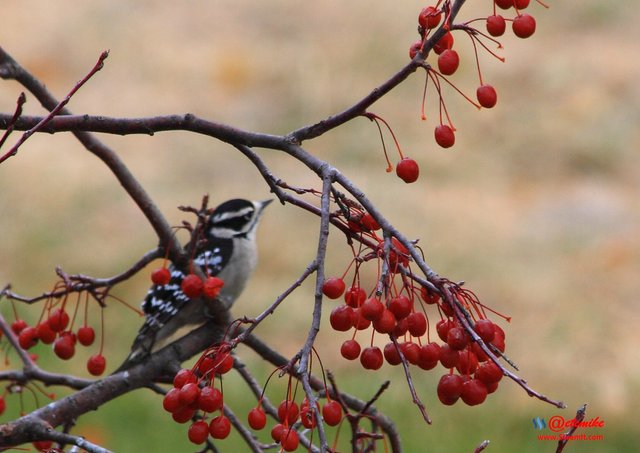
(228, 252)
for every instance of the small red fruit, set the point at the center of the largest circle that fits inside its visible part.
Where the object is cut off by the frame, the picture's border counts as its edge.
(400, 306)
(457, 338)
(64, 347)
(276, 432)
(86, 335)
(96, 364)
(223, 363)
(342, 318)
(28, 337)
(429, 356)
(417, 324)
(58, 320)
(198, 432)
(210, 399)
(489, 373)
(448, 62)
(467, 362)
(369, 222)
(171, 401)
(183, 414)
(474, 392)
(371, 358)
(487, 96)
(444, 136)
(360, 322)
(161, 276)
(429, 17)
(449, 389)
(18, 325)
(372, 309)
(257, 418)
(407, 170)
(429, 296)
(386, 323)
(332, 413)
(523, 25)
(192, 286)
(504, 4)
(391, 354)
(355, 296)
(414, 49)
(446, 42)
(449, 357)
(43, 445)
(288, 412)
(289, 440)
(411, 352)
(333, 287)
(212, 287)
(220, 427)
(3, 405)
(183, 377)
(496, 25)
(484, 329)
(189, 393)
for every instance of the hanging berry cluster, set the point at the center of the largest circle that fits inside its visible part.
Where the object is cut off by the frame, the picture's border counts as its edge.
(195, 396)
(56, 327)
(404, 311)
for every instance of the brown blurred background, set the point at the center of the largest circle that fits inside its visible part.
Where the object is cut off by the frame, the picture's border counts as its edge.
(537, 207)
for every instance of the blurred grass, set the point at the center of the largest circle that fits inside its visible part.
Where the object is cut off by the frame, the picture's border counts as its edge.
(536, 207)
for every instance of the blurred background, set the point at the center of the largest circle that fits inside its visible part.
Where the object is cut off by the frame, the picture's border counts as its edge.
(536, 207)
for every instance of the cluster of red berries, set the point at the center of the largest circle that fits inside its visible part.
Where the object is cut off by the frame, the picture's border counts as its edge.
(194, 390)
(430, 18)
(56, 330)
(192, 285)
(400, 311)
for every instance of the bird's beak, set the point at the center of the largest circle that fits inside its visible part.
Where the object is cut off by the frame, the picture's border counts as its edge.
(263, 204)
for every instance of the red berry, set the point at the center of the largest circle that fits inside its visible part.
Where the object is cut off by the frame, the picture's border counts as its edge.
(372, 309)
(411, 352)
(220, 427)
(386, 323)
(417, 324)
(401, 328)
(400, 306)
(487, 96)
(443, 326)
(496, 25)
(523, 25)
(18, 325)
(183, 414)
(171, 401)
(43, 445)
(192, 286)
(360, 322)
(448, 62)
(371, 358)
(96, 364)
(429, 17)
(355, 296)
(489, 373)
(449, 357)
(224, 363)
(198, 432)
(369, 222)
(449, 389)
(467, 362)
(44, 333)
(289, 440)
(212, 287)
(307, 416)
(189, 393)
(391, 354)
(58, 320)
(444, 136)
(457, 338)
(276, 432)
(484, 329)
(473, 392)
(520, 4)
(86, 335)
(257, 418)
(446, 42)
(342, 318)
(413, 50)
(430, 297)
(209, 399)
(3, 405)
(288, 410)
(429, 356)
(407, 170)
(28, 337)
(333, 287)
(161, 276)
(332, 413)
(183, 377)
(64, 347)
(504, 4)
